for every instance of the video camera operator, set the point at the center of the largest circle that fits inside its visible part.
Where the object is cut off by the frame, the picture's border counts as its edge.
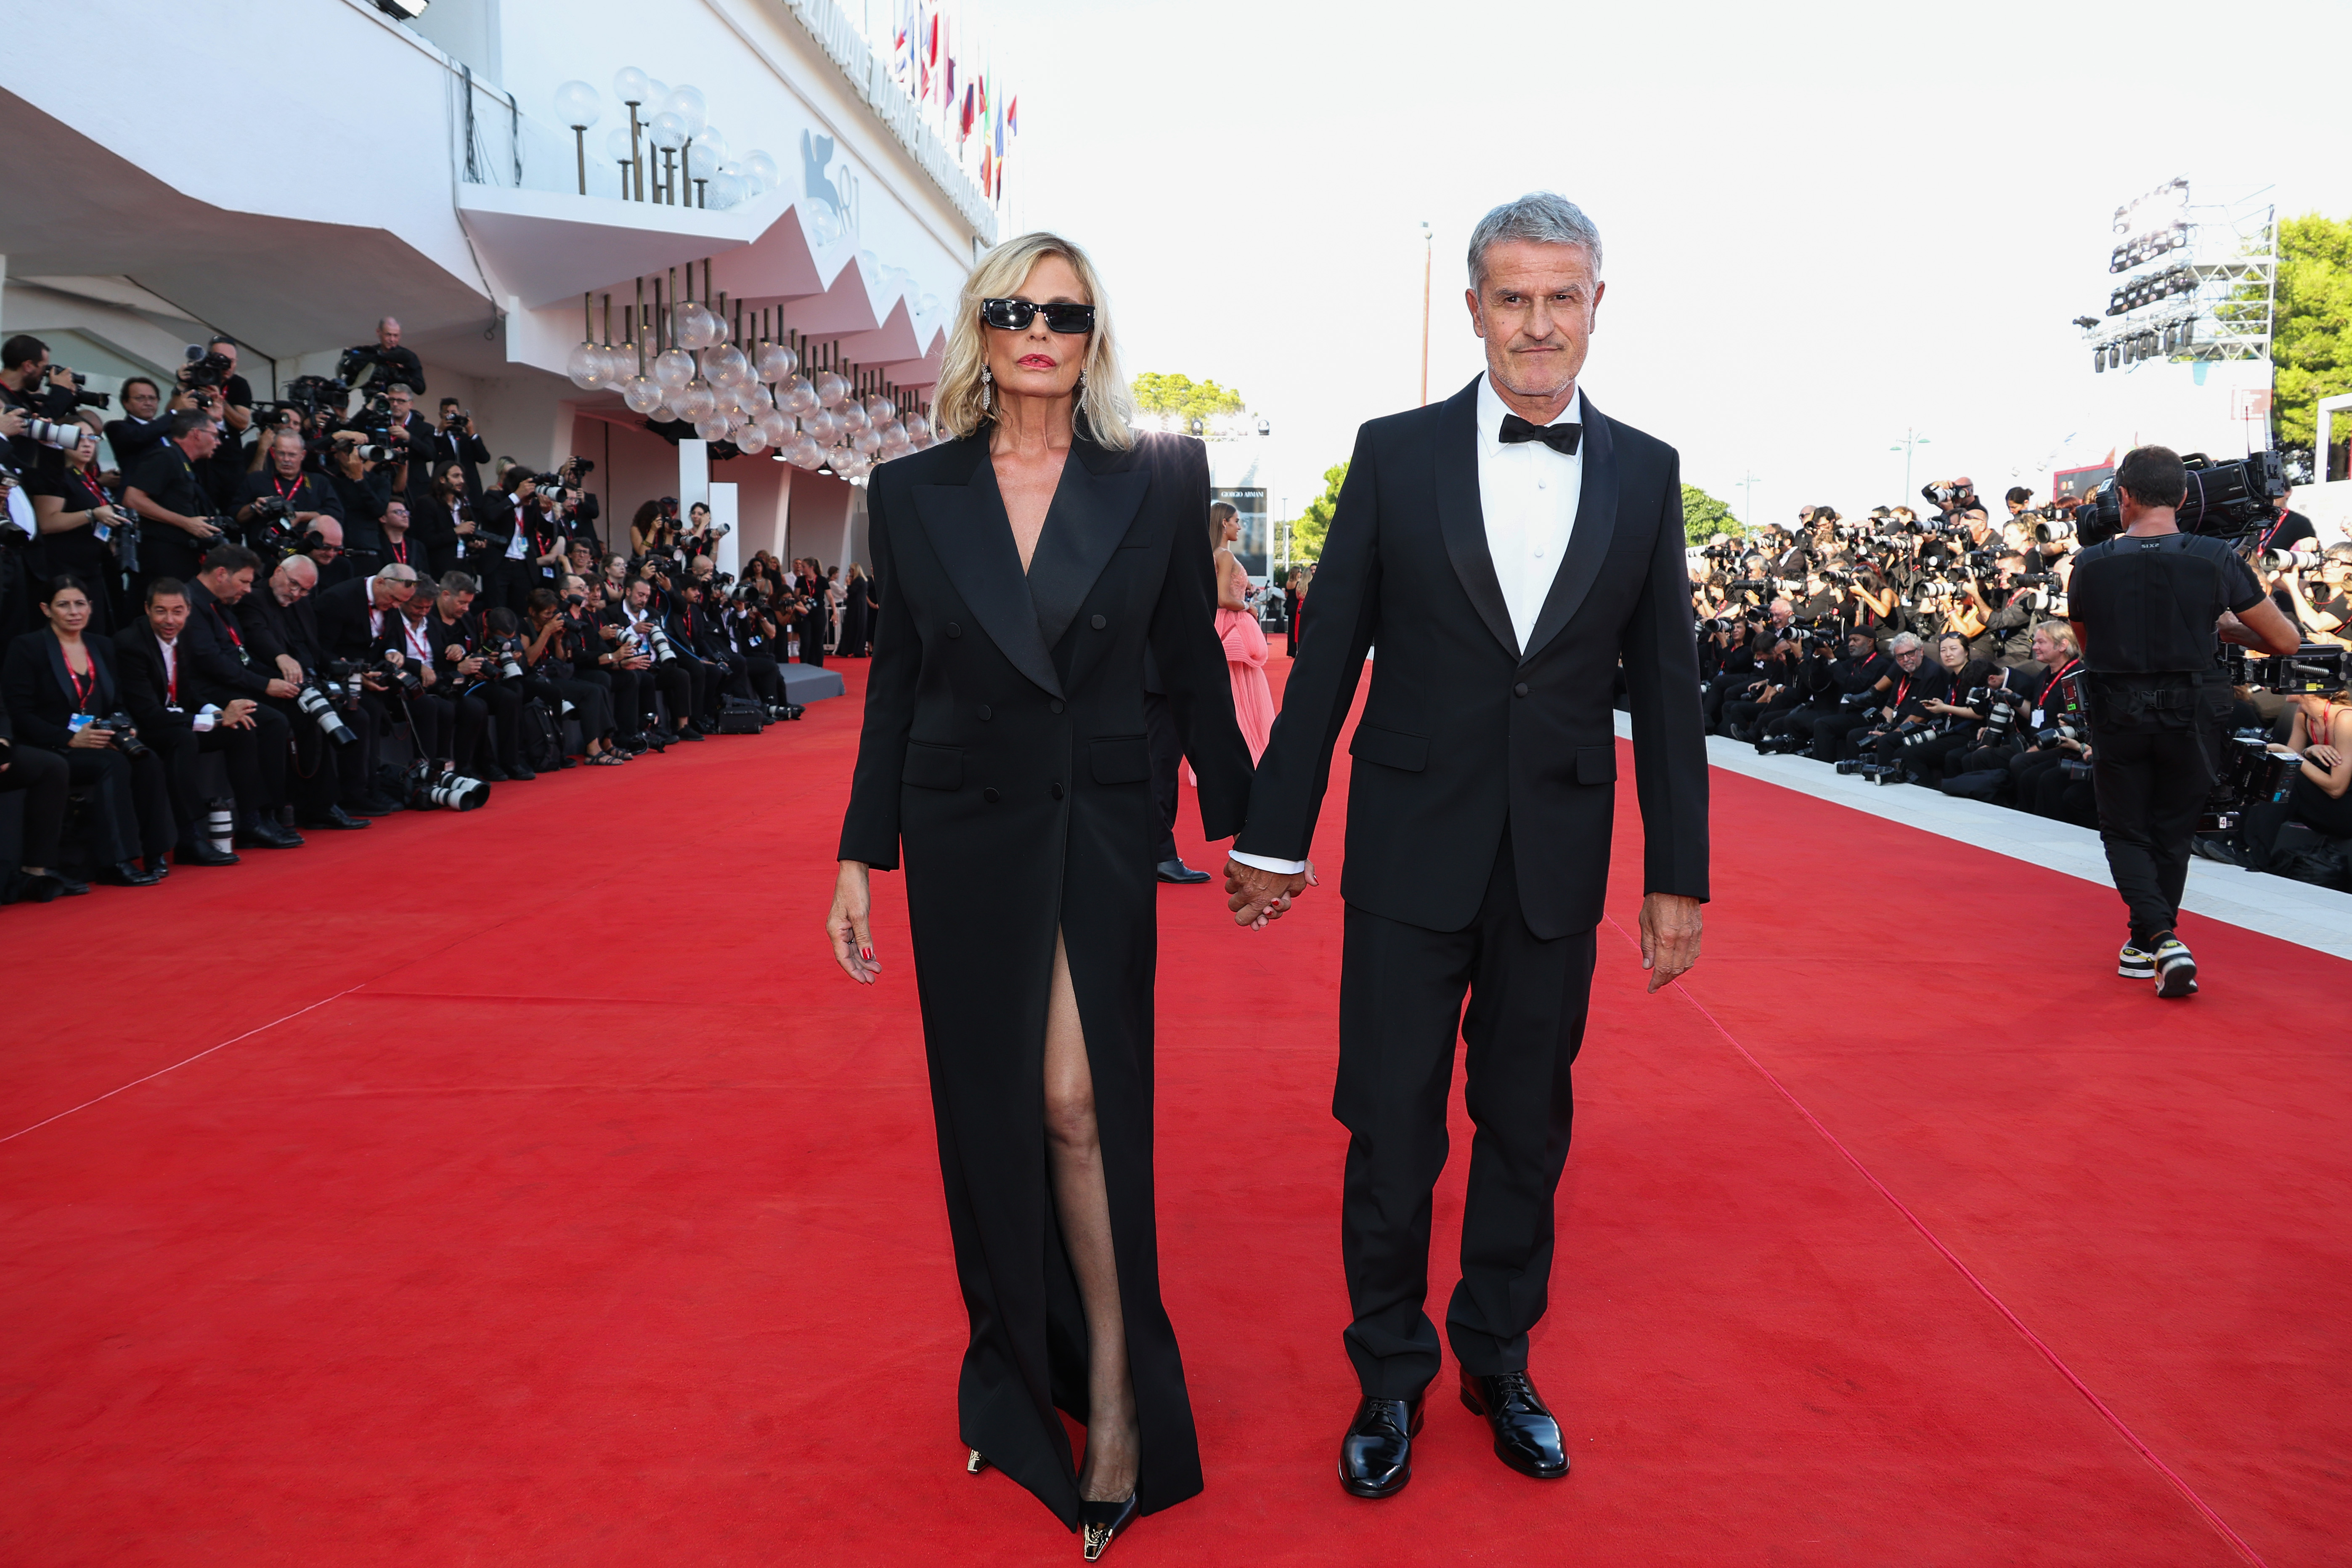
(179, 714)
(174, 508)
(373, 367)
(2148, 607)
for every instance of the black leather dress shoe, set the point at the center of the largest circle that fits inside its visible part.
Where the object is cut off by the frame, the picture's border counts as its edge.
(1177, 872)
(39, 887)
(518, 773)
(127, 874)
(334, 819)
(268, 834)
(202, 852)
(1527, 1439)
(1376, 1455)
(492, 772)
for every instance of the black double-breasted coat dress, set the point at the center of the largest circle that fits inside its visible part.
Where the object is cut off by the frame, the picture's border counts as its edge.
(1004, 748)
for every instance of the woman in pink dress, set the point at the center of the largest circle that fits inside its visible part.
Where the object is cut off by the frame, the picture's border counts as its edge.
(1245, 641)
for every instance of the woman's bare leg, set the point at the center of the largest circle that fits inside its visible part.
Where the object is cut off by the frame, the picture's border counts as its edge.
(1080, 1198)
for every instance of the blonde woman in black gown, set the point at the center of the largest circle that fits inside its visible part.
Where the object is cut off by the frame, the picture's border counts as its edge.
(1025, 568)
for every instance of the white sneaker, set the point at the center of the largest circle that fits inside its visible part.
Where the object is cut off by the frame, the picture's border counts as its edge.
(2176, 968)
(2133, 963)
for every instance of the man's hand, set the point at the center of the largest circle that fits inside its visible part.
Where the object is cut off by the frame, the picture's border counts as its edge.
(1257, 895)
(1670, 934)
(291, 667)
(238, 714)
(281, 689)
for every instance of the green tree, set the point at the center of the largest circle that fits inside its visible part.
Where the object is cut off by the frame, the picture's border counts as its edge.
(1182, 396)
(2311, 341)
(1704, 517)
(1310, 528)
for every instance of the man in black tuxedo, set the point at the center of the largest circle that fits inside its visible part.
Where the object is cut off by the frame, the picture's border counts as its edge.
(455, 441)
(1507, 549)
(354, 621)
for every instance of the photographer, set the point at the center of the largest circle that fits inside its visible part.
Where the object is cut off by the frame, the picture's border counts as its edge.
(435, 524)
(646, 648)
(711, 666)
(361, 475)
(377, 366)
(466, 673)
(357, 621)
(40, 777)
(281, 627)
(62, 695)
(209, 384)
(454, 443)
(2148, 607)
(278, 505)
(444, 725)
(169, 497)
(2289, 530)
(2320, 736)
(399, 540)
(76, 521)
(2322, 603)
(37, 389)
(1950, 498)
(1953, 723)
(2007, 636)
(553, 652)
(1786, 674)
(180, 718)
(1912, 684)
(751, 631)
(144, 424)
(536, 556)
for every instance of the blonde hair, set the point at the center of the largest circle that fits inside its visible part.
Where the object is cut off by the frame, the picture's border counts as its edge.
(2061, 633)
(1105, 411)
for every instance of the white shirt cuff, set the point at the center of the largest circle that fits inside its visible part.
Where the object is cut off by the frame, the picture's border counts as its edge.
(1267, 863)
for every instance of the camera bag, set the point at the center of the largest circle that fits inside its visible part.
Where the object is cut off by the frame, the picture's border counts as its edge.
(741, 716)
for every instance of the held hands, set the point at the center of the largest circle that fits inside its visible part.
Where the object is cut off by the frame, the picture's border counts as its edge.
(850, 927)
(1257, 895)
(1670, 934)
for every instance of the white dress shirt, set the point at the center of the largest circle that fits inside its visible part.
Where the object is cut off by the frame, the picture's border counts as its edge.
(170, 646)
(1528, 494)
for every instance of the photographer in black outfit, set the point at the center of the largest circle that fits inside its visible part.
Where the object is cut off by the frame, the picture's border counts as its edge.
(2148, 607)
(145, 423)
(1900, 710)
(175, 510)
(361, 474)
(178, 714)
(469, 671)
(638, 636)
(278, 503)
(40, 777)
(373, 367)
(327, 770)
(554, 647)
(455, 441)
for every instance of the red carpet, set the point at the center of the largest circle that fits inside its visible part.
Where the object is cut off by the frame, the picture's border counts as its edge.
(555, 1201)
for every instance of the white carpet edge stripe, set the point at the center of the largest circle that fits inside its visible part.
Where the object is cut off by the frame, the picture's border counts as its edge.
(2292, 911)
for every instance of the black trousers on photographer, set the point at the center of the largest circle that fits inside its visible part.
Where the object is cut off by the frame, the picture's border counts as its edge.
(255, 758)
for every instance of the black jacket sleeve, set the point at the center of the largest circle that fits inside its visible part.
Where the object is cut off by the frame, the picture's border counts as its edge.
(869, 828)
(1660, 659)
(1185, 646)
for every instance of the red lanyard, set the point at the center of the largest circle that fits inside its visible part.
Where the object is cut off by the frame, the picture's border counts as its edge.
(171, 674)
(287, 492)
(400, 551)
(1900, 692)
(420, 641)
(2051, 685)
(84, 686)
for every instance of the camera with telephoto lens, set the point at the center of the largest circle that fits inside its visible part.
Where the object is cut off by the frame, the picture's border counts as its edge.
(2000, 706)
(1747, 585)
(1864, 699)
(502, 658)
(2224, 500)
(321, 710)
(2288, 561)
(428, 791)
(1782, 744)
(53, 434)
(663, 652)
(1956, 496)
(2069, 727)
(1870, 772)
(84, 398)
(208, 369)
(126, 734)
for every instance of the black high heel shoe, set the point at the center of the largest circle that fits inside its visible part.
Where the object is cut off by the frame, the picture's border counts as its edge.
(1101, 1522)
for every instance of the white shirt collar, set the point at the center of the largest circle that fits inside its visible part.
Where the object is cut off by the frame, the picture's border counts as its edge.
(1491, 409)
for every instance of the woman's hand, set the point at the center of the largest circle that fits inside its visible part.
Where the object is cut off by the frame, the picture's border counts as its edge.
(2327, 757)
(91, 738)
(850, 925)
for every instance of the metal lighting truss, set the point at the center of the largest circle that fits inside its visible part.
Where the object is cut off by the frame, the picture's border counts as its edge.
(2203, 285)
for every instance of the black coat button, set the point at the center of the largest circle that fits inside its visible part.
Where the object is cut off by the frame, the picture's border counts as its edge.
(1520, 689)
(1099, 623)
(988, 796)
(1055, 705)
(1058, 789)
(954, 630)
(986, 712)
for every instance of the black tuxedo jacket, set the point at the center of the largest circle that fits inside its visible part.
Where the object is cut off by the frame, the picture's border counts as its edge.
(448, 447)
(146, 684)
(274, 628)
(41, 691)
(341, 618)
(1465, 730)
(220, 665)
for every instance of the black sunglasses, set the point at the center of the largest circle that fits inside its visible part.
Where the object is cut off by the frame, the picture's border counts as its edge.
(1014, 316)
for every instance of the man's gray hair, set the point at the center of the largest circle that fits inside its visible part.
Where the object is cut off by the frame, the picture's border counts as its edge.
(1540, 217)
(397, 572)
(1902, 642)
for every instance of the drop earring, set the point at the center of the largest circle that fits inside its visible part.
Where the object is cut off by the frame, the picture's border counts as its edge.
(987, 390)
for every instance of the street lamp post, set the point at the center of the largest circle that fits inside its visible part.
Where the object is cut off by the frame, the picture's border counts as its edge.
(1911, 440)
(1747, 498)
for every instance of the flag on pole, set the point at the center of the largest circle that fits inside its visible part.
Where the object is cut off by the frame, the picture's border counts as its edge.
(1013, 115)
(987, 172)
(963, 124)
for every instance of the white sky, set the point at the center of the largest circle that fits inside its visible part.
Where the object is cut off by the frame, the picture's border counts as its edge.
(1824, 225)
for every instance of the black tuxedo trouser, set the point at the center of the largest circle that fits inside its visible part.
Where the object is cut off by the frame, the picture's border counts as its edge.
(41, 775)
(1401, 995)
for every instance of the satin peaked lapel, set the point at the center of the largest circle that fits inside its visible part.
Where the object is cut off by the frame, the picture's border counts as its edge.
(1462, 520)
(1587, 545)
(1090, 514)
(973, 540)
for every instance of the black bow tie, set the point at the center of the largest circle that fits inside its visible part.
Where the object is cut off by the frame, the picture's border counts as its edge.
(1560, 438)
